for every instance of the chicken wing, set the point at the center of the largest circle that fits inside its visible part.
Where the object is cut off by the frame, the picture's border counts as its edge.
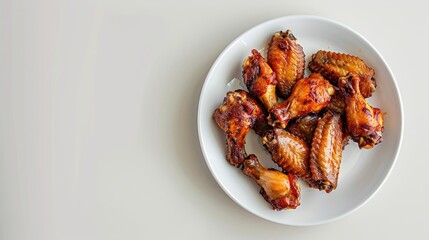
(286, 57)
(309, 95)
(334, 65)
(260, 79)
(236, 116)
(364, 123)
(281, 190)
(304, 127)
(326, 153)
(289, 151)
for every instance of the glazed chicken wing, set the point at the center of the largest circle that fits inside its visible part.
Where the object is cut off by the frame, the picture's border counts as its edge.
(236, 116)
(287, 59)
(260, 79)
(334, 65)
(326, 153)
(364, 123)
(309, 95)
(281, 190)
(289, 151)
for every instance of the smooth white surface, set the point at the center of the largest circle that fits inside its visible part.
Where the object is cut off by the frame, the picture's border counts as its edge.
(362, 171)
(98, 106)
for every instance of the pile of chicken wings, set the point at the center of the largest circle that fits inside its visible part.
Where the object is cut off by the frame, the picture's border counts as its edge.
(304, 122)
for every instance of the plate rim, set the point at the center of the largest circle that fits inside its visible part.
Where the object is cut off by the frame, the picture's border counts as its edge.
(222, 55)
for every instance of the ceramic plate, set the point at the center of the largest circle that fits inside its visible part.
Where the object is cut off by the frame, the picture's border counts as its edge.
(362, 172)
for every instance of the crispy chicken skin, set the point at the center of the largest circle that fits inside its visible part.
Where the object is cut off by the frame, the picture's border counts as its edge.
(289, 151)
(337, 103)
(261, 126)
(309, 95)
(286, 58)
(260, 79)
(334, 65)
(236, 116)
(364, 123)
(281, 190)
(304, 127)
(326, 153)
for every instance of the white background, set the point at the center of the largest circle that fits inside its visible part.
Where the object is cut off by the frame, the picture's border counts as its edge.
(98, 107)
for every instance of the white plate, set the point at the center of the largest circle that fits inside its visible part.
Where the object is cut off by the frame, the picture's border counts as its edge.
(362, 171)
